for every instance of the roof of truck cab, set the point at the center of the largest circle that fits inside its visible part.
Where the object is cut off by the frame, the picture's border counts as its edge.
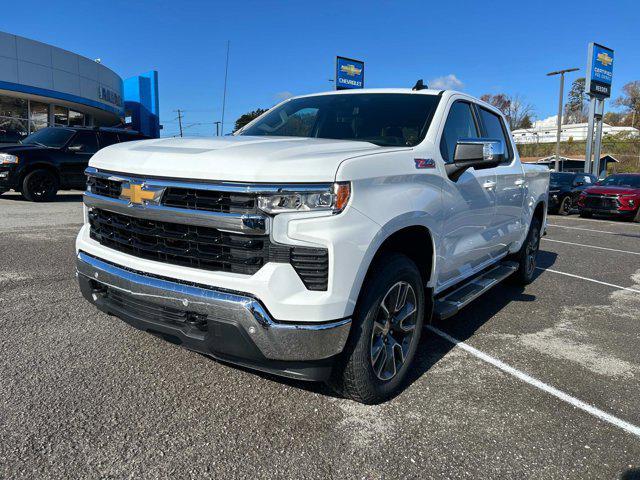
(426, 91)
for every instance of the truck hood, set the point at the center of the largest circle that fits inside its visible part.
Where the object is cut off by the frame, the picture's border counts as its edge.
(604, 190)
(234, 158)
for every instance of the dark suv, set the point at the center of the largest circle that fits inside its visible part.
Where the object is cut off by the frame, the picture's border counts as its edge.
(564, 190)
(54, 158)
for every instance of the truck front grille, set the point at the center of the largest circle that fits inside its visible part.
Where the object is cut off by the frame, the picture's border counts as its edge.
(204, 248)
(188, 198)
(191, 246)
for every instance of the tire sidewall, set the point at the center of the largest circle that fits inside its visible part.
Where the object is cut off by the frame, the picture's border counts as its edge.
(27, 191)
(388, 271)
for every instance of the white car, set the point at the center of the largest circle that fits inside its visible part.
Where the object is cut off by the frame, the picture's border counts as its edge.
(317, 241)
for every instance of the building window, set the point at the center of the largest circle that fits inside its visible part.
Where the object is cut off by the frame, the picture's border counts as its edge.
(76, 119)
(38, 116)
(61, 116)
(13, 119)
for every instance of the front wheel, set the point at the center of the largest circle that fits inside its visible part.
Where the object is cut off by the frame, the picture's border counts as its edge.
(40, 186)
(527, 255)
(385, 332)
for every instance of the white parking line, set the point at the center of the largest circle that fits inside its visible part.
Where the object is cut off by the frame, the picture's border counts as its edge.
(591, 246)
(589, 279)
(585, 229)
(565, 397)
(601, 222)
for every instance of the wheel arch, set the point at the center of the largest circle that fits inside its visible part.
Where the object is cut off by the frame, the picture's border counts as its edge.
(39, 165)
(412, 234)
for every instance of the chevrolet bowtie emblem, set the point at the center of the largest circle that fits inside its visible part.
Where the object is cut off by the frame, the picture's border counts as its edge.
(350, 69)
(139, 193)
(604, 59)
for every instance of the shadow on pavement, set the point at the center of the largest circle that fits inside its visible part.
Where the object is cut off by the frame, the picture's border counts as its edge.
(73, 197)
(433, 348)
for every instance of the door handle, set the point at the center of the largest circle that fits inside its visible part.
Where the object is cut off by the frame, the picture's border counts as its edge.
(489, 184)
(519, 182)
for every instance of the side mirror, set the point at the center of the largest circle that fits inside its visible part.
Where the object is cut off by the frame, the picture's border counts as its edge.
(476, 153)
(75, 148)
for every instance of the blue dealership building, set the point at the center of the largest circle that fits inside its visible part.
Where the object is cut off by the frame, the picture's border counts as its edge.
(42, 85)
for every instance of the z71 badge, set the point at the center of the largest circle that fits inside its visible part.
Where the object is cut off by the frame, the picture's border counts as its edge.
(425, 163)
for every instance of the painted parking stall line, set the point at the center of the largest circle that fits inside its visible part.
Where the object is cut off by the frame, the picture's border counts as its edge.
(565, 397)
(591, 246)
(589, 279)
(583, 229)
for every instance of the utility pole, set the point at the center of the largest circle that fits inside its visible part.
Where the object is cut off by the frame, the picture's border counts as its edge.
(179, 120)
(560, 104)
(217, 128)
(224, 93)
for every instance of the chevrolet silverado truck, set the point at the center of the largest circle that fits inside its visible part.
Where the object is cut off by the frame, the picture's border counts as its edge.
(317, 241)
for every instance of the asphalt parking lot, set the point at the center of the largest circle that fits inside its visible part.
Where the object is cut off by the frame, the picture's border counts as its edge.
(544, 384)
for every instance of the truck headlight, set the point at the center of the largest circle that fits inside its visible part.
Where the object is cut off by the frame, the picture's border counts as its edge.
(6, 159)
(333, 198)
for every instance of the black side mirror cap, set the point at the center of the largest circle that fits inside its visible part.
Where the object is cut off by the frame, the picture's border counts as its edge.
(476, 153)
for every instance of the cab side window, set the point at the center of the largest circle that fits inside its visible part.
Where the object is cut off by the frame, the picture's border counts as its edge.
(86, 141)
(460, 124)
(108, 138)
(495, 129)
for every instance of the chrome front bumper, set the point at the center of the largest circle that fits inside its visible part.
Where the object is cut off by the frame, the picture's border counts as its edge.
(237, 324)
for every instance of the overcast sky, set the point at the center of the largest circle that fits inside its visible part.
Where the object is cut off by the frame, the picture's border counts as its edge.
(287, 48)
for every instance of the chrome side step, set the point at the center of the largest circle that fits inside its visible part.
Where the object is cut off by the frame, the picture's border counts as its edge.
(451, 303)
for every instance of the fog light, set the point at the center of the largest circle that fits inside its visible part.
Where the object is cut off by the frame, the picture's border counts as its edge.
(4, 174)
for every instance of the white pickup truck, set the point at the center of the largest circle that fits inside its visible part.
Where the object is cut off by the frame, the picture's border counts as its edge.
(316, 241)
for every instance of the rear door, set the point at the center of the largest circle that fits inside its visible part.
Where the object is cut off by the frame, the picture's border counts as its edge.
(468, 203)
(510, 190)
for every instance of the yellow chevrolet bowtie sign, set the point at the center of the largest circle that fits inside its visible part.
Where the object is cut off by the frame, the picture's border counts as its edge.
(135, 194)
(604, 59)
(350, 69)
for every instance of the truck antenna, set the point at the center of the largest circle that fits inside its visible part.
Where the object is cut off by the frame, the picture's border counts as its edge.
(419, 85)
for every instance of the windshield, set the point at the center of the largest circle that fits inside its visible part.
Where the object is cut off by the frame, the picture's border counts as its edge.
(622, 181)
(49, 137)
(385, 119)
(561, 179)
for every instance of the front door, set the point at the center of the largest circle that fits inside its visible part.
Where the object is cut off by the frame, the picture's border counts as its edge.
(468, 241)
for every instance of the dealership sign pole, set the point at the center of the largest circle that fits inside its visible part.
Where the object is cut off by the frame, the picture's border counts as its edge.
(598, 87)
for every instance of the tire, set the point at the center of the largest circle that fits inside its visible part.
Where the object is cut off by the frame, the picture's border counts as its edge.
(526, 256)
(40, 186)
(565, 206)
(585, 215)
(365, 371)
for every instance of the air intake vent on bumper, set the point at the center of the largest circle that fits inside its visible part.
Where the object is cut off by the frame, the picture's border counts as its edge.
(312, 264)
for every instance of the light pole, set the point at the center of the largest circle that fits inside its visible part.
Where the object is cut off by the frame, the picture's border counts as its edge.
(561, 73)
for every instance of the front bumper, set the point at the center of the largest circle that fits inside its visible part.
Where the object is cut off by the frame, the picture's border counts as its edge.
(226, 325)
(8, 177)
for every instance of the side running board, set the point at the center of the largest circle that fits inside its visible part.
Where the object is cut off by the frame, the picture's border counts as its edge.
(451, 303)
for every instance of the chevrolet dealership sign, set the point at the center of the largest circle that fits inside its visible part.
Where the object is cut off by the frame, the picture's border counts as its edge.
(599, 71)
(349, 73)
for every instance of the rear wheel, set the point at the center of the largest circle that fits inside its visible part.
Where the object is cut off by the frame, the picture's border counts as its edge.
(385, 332)
(40, 186)
(527, 256)
(565, 206)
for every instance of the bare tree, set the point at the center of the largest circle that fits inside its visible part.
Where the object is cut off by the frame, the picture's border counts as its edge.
(517, 111)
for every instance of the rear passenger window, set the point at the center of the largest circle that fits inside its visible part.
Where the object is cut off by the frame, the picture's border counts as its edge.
(460, 124)
(495, 129)
(108, 138)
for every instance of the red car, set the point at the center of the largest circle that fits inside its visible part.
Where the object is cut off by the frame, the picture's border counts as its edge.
(617, 195)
